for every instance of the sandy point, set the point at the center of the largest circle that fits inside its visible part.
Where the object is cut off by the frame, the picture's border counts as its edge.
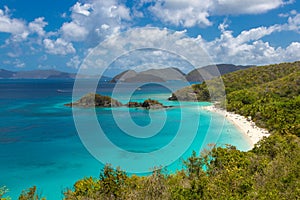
(246, 126)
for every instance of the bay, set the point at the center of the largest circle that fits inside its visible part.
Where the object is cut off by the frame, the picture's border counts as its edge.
(40, 144)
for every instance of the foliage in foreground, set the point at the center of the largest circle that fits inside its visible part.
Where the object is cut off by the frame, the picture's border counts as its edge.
(3, 191)
(270, 171)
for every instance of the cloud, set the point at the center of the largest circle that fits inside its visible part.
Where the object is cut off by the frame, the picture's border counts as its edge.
(16, 27)
(196, 13)
(37, 26)
(235, 7)
(22, 33)
(84, 9)
(74, 32)
(183, 13)
(292, 12)
(58, 47)
(94, 20)
(248, 47)
(8, 25)
(17, 63)
(146, 47)
(293, 51)
(91, 22)
(294, 23)
(74, 62)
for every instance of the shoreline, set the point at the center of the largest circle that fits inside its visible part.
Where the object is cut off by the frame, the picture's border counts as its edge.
(246, 126)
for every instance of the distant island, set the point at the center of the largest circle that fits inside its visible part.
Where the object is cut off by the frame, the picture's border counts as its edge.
(45, 74)
(131, 76)
(175, 74)
(151, 75)
(97, 100)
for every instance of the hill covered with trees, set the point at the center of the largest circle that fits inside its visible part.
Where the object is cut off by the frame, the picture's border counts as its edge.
(269, 94)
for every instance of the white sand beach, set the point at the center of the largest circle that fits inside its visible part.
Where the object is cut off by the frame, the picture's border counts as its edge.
(247, 126)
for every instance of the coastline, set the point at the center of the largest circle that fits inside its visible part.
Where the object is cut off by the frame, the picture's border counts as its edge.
(246, 126)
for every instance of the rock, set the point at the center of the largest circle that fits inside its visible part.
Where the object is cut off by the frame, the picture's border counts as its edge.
(132, 104)
(95, 100)
(184, 94)
(152, 104)
(147, 104)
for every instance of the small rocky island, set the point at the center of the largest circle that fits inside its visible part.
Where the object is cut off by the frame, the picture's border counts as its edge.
(184, 94)
(97, 100)
(147, 104)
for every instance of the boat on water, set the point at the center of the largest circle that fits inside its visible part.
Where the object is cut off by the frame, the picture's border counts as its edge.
(62, 91)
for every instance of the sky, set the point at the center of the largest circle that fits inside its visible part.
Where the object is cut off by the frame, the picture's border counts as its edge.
(60, 34)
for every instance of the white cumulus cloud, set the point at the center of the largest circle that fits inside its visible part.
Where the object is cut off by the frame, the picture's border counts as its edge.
(84, 9)
(74, 32)
(10, 25)
(294, 23)
(183, 13)
(16, 27)
(92, 21)
(58, 46)
(248, 47)
(37, 26)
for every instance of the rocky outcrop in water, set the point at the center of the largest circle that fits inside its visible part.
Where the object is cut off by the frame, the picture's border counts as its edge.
(95, 100)
(147, 104)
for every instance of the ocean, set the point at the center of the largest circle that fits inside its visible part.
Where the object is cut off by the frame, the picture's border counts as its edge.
(41, 145)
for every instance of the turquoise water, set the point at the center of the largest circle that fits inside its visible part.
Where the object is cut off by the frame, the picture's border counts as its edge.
(40, 144)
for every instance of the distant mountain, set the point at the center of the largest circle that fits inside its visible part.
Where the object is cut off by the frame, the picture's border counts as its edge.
(151, 75)
(209, 71)
(166, 74)
(124, 75)
(5, 73)
(43, 74)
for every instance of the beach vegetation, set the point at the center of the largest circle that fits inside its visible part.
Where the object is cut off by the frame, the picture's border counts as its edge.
(3, 191)
(30, 194)
(269, 171)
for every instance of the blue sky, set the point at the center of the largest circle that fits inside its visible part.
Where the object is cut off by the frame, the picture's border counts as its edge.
(59, 34)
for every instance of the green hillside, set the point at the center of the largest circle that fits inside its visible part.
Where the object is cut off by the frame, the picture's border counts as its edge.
(254, 76)
(269, 94)
(274, 105)
(240, 80)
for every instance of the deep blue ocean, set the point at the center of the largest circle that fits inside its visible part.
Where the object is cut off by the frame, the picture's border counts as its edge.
(40, 145)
